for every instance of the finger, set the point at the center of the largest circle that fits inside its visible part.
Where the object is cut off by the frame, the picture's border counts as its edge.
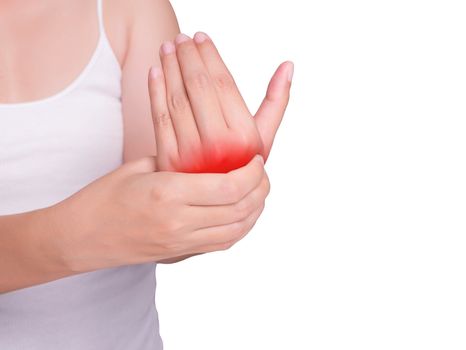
(164, 133)
(178, 102)
(202, 96)
(208, 216)
(272, 108)
(217, 188)
(252, 221)
(235, 110)
(224, 237)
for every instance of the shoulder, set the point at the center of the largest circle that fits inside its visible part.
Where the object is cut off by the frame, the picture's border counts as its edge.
(128, 22)
(139, 27)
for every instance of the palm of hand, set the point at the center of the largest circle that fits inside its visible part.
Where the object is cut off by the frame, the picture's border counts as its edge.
(201, 122)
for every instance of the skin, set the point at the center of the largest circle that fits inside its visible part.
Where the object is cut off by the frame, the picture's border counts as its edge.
(212, 130)
(134, 214)
(138, 214)
(136, 30)
(201, 121)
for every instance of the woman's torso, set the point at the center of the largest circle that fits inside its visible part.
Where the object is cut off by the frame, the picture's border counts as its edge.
(42, 38)
(61, 127)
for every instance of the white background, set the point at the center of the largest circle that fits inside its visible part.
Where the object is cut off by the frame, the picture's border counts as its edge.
(361, 244)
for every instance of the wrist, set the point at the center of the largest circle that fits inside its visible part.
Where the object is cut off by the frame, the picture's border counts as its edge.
(66, 231)
(50, 242)
(29, 250)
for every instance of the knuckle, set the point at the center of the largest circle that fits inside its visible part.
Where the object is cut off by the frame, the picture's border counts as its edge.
(230, 190)
(250, 225)
(224, 81)
(258, 213)
(162, 118)
(198, 81)
(178, 101)
(227, 245)
(239, 228)
(261, 208)
(168, 227)
(244, 207)
(258, 210)
(266, 184)
(159, 193)
(251, 221)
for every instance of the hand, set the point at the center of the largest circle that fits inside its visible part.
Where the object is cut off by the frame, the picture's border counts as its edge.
(136, 214)
(201, 122)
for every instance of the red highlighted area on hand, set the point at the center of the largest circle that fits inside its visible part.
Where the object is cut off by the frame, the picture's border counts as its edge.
(219, 158)
(201, 121)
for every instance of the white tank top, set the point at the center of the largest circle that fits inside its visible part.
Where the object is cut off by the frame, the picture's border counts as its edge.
(49, 149)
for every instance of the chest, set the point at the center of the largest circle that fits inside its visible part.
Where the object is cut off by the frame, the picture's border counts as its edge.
(45, 48)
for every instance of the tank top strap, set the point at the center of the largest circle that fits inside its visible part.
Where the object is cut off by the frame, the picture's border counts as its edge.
(100, 17)
(103, 38)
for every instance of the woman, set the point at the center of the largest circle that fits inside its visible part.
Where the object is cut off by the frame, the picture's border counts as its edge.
(86, 207)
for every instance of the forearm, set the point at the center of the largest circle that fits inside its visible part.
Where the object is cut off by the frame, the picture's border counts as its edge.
(30, 251)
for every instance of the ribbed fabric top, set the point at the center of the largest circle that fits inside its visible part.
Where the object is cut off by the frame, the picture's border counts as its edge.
(49, 149)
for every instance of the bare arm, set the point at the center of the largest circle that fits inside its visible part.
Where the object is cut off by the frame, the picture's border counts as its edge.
(131, 215)
(154, 21)
(32, 243)
(150, 24)
(30, 250)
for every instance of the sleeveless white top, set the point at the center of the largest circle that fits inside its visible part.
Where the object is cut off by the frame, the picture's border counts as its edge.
(49, 149)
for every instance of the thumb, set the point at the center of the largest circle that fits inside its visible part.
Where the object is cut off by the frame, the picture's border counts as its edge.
(271, 111)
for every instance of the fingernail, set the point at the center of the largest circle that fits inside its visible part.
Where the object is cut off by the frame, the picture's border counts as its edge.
(168, 47)
(259, 158)
(200, 37)
(155, 72)
(181, 38)
(290, 71)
